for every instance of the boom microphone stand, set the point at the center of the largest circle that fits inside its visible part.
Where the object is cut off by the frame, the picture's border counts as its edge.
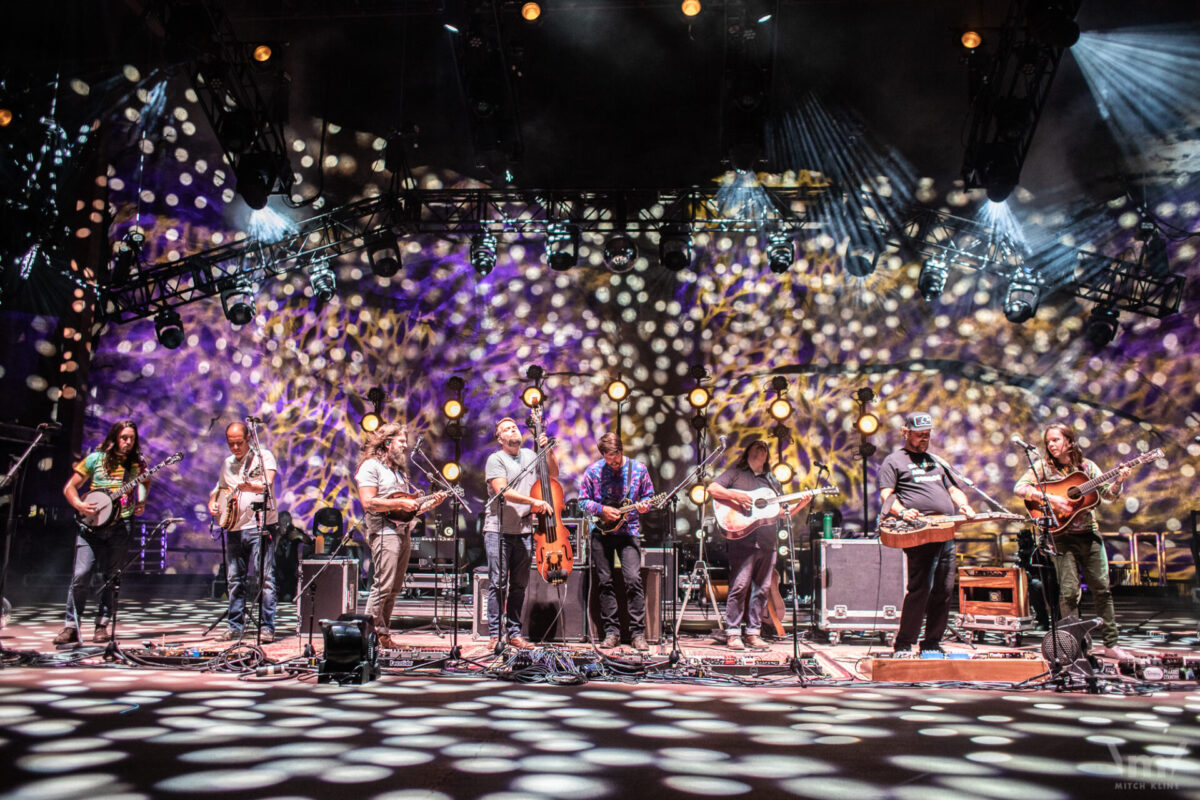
(700, 568)
(263, 532)
(1045, 540)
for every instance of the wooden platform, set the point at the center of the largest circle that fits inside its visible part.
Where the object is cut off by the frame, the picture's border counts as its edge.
(917, 670)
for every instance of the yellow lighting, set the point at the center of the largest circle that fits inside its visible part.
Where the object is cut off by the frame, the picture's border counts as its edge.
(780, 409)
(699, 397)
(868, 423)
(698, 494)
(690, 8)
(532, 396)
(6, 117)
(783, 550)
(262, 53)
(452, 408)
(530, 11)
(971, 40)
(783, 472)
(451, 471)
(371, 422)
(617, 391)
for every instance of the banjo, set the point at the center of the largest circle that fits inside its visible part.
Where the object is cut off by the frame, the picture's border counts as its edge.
(106, 503)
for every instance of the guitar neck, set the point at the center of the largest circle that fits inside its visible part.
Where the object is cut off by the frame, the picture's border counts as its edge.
(1099, 481)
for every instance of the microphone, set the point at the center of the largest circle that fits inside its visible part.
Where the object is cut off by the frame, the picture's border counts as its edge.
(255, 420)
(50, 426)
(819, 465)
(1019, 442)
(170, 520)
(416, 447)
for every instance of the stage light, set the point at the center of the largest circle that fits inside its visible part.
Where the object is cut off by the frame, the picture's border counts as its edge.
(699, 397)
(1153, 259)
(562, 246)
(371, 422)
(783, 473)
(451, 471)
(6, 117)
(932, 280)
(452, 408)
(384, 255)
(1101, 325)
(780, 252)
(454, 430)
(1022, 296)
(262, 53)
(971, 39)
(867, 423)
(690, 8)
(859, 266)
(1052, 23)
(698, 494)
(530, 11)
(255, 178)
(675, 248)
(168, 328)
(374, 418)
(323, 282)
(238, 303)
(783, 550)
(617, 390)
(780, 409)
(350, 650)
(620, 252)
(532, 396)
(483, 252)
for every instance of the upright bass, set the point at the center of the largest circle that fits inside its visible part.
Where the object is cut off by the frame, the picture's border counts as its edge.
(552, 541)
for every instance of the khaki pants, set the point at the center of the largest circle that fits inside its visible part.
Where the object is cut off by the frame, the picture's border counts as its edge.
(389, 563)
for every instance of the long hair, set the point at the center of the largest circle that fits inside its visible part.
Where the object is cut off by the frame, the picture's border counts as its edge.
(109, 448)
(743, 461)
(1073, 454)
(377, 445)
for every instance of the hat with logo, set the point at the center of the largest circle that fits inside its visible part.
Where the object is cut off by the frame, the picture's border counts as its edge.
(918, 421)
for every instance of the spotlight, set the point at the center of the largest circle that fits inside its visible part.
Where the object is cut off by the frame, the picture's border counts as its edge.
(483, 252)
(562, 246)
(6, 117)
(350, 650)
(238, 303)
(698, 494)
(1021, 298)
(690, 8)
(699, 422)
(530, 11)
(374, 418)
(617, 390)
(384, 255)
(699, 397)
(255, 178)
(675, 248)
(865, 395)
(1102, 325)
(323, 282)
(971, 39)
(1052, 23)
(783, 472)
(780, 409)
(371, 422)
(932, 280)
(783, 550)
(867, 423)
(451, 470)
(452, 408)
(532, 396)
(454, 430)
(780, 252)
(168, 327)
(620, 252)
(262, 53)
(859, 266)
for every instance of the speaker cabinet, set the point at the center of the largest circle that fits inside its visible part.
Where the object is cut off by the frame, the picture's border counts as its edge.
(326, 594)
(550, 613)
(862, 585)
(652, 579)
(665, 557)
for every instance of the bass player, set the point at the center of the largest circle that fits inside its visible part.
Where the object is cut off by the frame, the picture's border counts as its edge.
(751, 557)
(912, 483)
(390, 510)
(116, 462)
(1079, 547)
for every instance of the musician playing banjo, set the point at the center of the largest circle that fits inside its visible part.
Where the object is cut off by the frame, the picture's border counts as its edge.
(238, 502)
(1080, 547)
(751, 557)
(912, 483)
(116, 462)
(390, 507)
(608, 486)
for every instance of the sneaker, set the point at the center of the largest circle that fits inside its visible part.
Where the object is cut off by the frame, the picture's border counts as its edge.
(640, 643)
(611, 641)
(898, 649)
(67, 636)
(932, 648)
(267, 636)
(1116, 652)
(734, 642)
(230, 636)
(101, 634)
(755, 642)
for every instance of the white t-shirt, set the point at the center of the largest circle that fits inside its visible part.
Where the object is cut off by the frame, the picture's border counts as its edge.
(231, 476)
(386, 480)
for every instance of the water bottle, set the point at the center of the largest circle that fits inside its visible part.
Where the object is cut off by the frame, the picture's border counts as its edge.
(827, 525)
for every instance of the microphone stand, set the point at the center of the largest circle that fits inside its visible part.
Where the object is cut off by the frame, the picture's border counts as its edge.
(1045, 543)
(262, 531)
(791, 540)
(434, 476)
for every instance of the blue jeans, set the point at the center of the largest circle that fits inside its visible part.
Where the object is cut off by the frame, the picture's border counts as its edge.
(509, 556)
(242, 551)
(101, 553)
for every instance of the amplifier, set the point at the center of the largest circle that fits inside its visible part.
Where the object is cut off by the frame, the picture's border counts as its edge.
(665, 557)
(652, 577)
(862, 586)
(333, 591)
(993, 591)
(550, 613)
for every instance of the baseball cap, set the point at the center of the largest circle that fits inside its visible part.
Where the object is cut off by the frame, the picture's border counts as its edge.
(919, 421)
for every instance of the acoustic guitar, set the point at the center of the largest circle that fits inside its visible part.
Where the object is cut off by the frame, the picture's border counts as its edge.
(900, 532)
(737, 524)
(1080, 491)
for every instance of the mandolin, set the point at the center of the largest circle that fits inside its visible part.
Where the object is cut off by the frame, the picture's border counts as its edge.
(627, 505)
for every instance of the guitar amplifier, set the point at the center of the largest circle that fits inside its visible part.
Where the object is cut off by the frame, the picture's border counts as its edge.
(993, 591)
(862, 586)
(326, 594)
(550, 613)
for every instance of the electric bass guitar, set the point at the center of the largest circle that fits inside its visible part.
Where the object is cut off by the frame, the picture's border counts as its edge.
(900, 532)
(1080, 491)
(107, 509)
(627, 505)
(736, 524)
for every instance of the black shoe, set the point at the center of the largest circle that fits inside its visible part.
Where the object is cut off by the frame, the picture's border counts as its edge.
(902, 648)
(932, 648)
(67, 636)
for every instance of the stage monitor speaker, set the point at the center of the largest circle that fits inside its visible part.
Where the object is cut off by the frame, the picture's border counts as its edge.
(665, 557)
(333, 593)
(549, 614)
(652, 578)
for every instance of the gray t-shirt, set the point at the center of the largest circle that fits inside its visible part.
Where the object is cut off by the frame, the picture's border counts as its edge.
(503, 515)
(386, 480)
